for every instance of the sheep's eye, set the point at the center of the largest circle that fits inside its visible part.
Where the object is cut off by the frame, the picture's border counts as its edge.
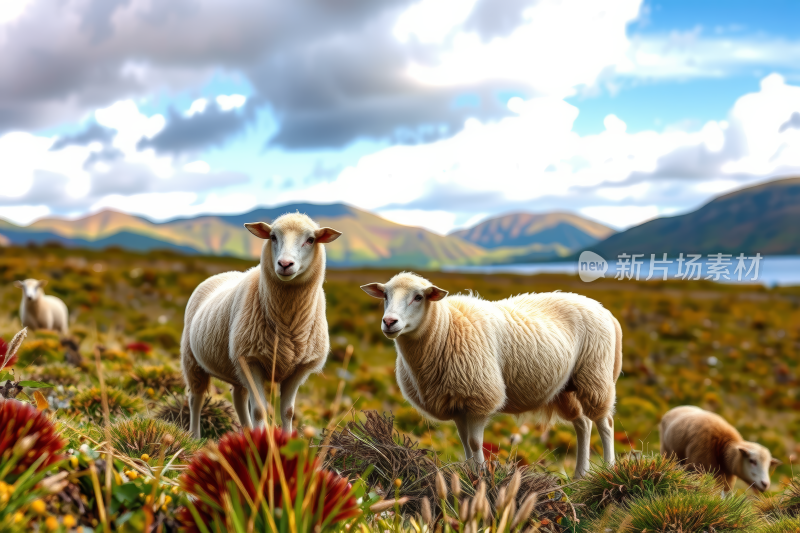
(273, 238)
(752, 462)
(417, 298)
(310, 240)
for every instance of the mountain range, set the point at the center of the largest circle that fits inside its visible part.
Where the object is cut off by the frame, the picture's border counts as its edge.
(761, 219)
(367, 239)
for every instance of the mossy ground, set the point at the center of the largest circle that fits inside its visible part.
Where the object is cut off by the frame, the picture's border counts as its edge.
(732, 349)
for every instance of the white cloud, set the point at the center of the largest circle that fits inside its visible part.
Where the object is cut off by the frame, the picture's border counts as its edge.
(691, 54)
(228, 102)
(10, 10)
(438, 221)
(621, 216)
(614, 124)
(23, 214)
(535, 159)
(197, 167)
(163, 206)
(198, 106)
(431, 21)
(23, 154)
(548, 51)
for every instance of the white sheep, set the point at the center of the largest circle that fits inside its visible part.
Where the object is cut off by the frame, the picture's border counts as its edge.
(279, 303)
(706, 441)
(465, 359)
(40, 311)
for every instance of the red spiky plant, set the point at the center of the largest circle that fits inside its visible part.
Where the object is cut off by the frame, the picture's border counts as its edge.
(254, 474)
(22, 425)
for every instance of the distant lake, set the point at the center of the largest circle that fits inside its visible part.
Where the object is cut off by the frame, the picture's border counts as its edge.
(772, 270)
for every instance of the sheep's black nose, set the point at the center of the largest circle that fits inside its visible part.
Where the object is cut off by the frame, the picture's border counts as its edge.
(390, 322)
(285, 264)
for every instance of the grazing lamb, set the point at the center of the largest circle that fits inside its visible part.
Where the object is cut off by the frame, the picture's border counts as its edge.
(247, 314)
(39, 311)
(706, 441)
(465, 359)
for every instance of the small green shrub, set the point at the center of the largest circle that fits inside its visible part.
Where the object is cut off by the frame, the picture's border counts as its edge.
(687, 511)
(217, 416)
(781, 524)
(160, 378)
(635, 477)
(138, 435)
(40, 352)
(789, 501)
(165, 336)
(89, 403)
(56, 374)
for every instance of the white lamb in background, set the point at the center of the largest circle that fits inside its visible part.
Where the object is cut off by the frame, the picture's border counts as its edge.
(240, 314)
(465, 359)
(706, 441)
(39, 311)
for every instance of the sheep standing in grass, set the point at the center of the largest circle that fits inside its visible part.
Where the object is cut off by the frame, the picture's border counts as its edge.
(247, 314)
(39, 311)
(707, 442)
(465, 359)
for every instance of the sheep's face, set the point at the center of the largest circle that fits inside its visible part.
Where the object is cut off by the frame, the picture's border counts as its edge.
(32, 289)
(756, 462)
(293, 242)
(406, 299)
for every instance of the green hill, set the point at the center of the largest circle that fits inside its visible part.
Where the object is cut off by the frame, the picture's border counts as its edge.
(557, 230)
(367, 238)
(763, 219)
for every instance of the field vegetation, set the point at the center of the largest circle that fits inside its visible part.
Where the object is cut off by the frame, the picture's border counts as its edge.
(112, 391)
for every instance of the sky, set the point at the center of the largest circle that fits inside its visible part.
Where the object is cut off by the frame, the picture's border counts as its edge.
(435, 113)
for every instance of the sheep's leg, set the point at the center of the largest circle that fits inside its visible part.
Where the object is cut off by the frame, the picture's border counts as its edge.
(195, 405)
(583, 430)
(475, 437)
(240, 396)
(258, 397)
(289, 388)
(197, 381)
(605, 426)
(463, 434)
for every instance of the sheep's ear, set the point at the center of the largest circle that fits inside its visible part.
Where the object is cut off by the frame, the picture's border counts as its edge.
(376, 290)
(326, 235)
(745, 452)
(262, 230)
(775, 462)
(19, 284)
(42, 282)
(434, 293)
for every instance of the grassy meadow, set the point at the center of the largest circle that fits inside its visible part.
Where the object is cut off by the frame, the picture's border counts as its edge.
(731, 349)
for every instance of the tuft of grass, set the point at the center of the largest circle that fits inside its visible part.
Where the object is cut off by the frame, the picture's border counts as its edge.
(137, 436)
(768, 505)
(789, 501)
(41, 351)
(781, 523)
(89, 403)
(74, 434)
(160, 378)
(374, 450)
(217, 416)
(56, 373)
(375, 443)
(687, 511)
(634, 477)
